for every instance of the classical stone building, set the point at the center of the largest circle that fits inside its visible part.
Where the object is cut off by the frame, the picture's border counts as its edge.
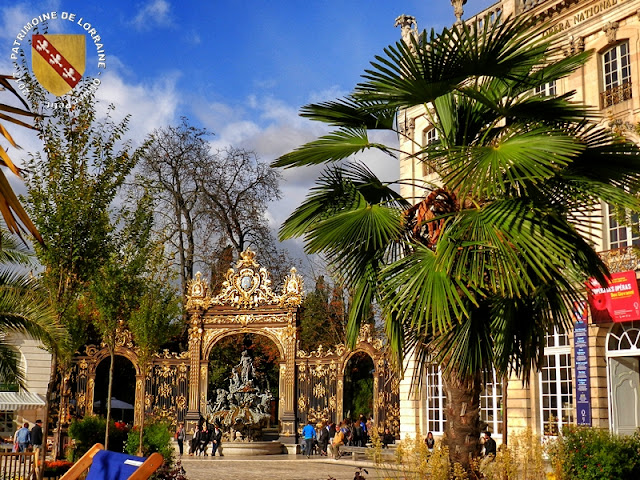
(591, 375)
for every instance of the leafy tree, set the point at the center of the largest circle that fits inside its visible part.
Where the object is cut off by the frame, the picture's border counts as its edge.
(71, 188)
(487, 263)
(323, 319)
(117, 288)
(157, 315)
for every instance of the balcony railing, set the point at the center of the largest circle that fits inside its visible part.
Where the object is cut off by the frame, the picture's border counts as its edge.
(622, 259)
(617, 94)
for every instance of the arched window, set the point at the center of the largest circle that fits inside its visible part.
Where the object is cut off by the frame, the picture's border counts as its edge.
(624, 339)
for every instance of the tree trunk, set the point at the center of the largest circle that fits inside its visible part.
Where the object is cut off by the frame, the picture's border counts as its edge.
(144, 393)
(106, 433)
(505, 417)
(462, 431)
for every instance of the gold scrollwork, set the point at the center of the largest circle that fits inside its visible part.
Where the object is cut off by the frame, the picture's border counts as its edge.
(165, 390)
(319, 390)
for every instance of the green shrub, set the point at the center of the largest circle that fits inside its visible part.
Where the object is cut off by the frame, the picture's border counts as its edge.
(521, 459)
(585, 453)
(90, 430)
(156, 437)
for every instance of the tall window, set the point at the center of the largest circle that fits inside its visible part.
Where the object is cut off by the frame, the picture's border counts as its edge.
(491, 402)
(436, 400)
(621, 235)
(616, 71)
(556, 399)
(429, 137)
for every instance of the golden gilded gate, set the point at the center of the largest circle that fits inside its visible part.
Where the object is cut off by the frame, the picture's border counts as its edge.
(310, 384)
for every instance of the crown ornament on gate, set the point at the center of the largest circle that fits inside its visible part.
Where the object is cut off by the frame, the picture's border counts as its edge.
(246, 286)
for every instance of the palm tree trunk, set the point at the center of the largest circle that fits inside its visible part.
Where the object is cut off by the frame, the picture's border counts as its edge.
(106, 432)
(462, 431)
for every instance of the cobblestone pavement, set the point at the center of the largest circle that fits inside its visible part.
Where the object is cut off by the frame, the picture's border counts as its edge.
(272, 467)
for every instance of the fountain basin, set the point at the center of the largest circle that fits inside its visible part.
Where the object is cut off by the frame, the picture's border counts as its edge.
(233, 449)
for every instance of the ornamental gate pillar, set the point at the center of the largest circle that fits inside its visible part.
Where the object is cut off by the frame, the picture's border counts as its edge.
(195, 347)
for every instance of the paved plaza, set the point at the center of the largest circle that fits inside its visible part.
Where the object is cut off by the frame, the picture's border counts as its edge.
(273, 467)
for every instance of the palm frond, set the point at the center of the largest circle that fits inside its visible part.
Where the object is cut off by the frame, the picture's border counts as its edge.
(348, 112)
(335, 146)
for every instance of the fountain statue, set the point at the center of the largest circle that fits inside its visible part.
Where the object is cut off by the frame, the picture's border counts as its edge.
(243, 409)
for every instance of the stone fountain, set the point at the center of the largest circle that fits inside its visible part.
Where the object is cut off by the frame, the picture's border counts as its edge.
(242, 410)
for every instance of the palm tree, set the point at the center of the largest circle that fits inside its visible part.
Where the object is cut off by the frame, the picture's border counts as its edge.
(13, 213)
(24, 308)
(475, 274)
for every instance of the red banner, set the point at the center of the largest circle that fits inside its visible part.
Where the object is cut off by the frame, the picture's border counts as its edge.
(619, 301)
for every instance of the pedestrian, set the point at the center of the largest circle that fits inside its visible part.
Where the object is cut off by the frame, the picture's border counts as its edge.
(489, 445)
(180, 436)
(387, 438)
(195, 442)
(216, 441)
(204, 440)
(36, 441)
(309, 435)
(430, 441)
(23, 437)
(323, 438)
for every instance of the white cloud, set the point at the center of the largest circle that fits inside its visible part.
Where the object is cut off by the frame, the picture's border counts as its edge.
(151, 105)
(154, 13)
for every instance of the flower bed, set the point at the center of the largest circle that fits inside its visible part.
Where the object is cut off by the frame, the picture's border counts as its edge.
(55, 469)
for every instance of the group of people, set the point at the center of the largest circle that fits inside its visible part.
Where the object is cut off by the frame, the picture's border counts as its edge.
(329, 437)
(489, 446)
(25, 438)
(203, 435)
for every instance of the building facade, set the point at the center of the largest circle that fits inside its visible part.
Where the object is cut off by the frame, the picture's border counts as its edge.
(19, 405)
(591, 375)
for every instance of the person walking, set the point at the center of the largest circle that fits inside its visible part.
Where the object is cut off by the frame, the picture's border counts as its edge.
(309, 435)
(23, 437)
(36, 441)
(180, 436)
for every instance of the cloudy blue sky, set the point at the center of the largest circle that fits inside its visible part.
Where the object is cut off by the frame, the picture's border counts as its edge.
(242, 69)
